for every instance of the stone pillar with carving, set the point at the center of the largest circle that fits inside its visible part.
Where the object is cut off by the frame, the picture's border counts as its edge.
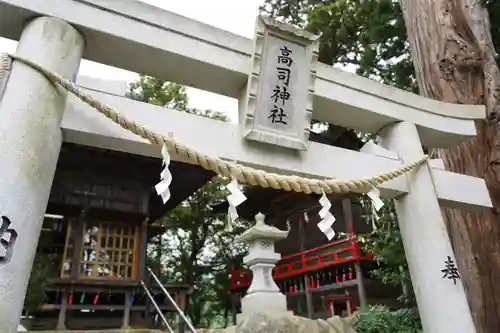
(263, 296)
(31, 110)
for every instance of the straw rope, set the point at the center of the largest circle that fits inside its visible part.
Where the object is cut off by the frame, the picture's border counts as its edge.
(223, 168)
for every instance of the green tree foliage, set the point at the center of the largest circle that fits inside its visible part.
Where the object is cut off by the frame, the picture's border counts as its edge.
(290, 11)
(196, 248)
(368, 36)
(43, 270)
(379, 319)
(167, 94)
(159, 92)
(385, 243)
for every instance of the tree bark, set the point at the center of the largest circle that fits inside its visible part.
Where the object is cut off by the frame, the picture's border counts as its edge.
(455, 62)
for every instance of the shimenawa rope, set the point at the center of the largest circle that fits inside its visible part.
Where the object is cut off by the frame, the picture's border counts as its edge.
(226, 169)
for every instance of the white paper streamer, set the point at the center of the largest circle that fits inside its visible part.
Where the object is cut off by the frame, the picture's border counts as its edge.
(235, 198)
(377, 204)
(374, 218)
(327, 218)
(162, 188)
(306, 217)
(374, 195)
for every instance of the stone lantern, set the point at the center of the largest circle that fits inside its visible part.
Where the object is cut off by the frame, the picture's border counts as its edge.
(263, 294)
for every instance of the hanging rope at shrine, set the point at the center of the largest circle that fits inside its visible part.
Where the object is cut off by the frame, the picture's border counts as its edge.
(226, 169)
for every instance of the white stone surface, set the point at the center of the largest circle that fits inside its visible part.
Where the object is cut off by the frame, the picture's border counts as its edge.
(279, 96)
(113, 87)
(372, 148)
(437, 163)
(30, 138)
(263, 295)
(450, 186)
(83, 125)
(442, 303)
(263, 302)
(6, 65)
(198, 55)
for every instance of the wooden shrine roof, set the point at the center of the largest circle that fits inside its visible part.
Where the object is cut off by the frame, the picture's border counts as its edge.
(118, 184)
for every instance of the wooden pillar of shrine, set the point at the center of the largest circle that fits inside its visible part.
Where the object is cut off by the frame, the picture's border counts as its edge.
(307, 281)
(142, 249)
(232, 301)
(143, 275)
(76, 238)
(61, 319)
(182, 304)
(126, 311)
(347, 211)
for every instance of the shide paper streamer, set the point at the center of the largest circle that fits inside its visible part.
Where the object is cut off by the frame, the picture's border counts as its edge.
(377, 204)
(327, 218)
(162, 188)
(235, 198)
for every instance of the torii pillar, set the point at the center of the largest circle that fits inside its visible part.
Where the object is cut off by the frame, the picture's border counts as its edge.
(440, 295)
(31, 110)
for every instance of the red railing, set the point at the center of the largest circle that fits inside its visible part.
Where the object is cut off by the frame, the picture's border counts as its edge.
(334, 253)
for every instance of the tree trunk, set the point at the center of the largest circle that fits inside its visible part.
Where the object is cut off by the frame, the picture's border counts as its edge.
(455, 62)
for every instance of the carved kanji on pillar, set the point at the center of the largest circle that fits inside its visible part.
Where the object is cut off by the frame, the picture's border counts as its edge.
(8, 238)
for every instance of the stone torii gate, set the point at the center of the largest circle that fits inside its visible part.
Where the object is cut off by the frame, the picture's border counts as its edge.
(36, 117)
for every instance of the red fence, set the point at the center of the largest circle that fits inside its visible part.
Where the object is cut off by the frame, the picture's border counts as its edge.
(332, 254)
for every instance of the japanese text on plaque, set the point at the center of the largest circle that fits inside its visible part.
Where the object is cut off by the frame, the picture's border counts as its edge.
(280, 95)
